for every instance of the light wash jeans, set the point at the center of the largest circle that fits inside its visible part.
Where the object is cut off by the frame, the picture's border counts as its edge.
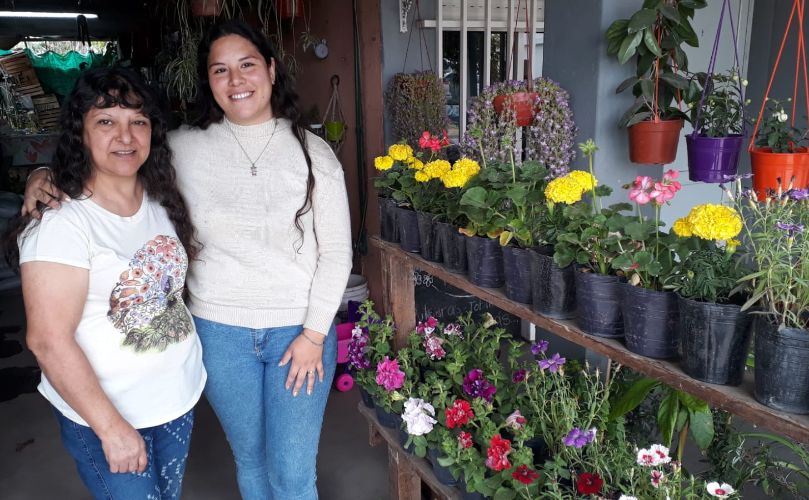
(166, 450)
(273, 435)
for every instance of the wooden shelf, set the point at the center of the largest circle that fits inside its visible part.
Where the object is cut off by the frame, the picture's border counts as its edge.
(398, 265)
(406, 471)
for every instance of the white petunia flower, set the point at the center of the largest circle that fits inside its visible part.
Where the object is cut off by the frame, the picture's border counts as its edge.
(627, 497)
(418, 416)
(717, 490)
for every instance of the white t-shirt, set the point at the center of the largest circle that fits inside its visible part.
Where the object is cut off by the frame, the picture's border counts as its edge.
(135, 328)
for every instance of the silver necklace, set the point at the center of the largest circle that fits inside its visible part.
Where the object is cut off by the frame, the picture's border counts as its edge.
(253, 169)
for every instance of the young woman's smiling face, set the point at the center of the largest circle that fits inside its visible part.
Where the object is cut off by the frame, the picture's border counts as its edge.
(241, 80)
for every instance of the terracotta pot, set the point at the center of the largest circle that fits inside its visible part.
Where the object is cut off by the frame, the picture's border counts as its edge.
(289, 8)
(521, 102)
(768, 167)
(653, 142)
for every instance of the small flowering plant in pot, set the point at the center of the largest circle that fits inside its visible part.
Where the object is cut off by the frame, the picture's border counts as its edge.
(714, 332)
(780, 157)
(717, 114)
(777, 248)
(371, 348)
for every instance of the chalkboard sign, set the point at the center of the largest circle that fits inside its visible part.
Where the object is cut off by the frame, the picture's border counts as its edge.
(435, 297)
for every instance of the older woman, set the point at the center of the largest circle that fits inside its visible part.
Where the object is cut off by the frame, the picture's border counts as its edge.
(103, 281)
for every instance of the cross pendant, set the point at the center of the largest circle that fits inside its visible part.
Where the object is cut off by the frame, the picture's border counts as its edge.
(253, 169)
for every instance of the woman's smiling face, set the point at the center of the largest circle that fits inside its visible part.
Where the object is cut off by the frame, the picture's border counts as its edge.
(241, 80)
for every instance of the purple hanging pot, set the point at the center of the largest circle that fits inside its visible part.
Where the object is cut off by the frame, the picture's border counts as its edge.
(713, 159)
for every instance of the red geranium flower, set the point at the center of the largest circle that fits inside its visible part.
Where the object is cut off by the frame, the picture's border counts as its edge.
(465, 439)
(497, 453)
(589, 484)
(525, 475)
(459, 413)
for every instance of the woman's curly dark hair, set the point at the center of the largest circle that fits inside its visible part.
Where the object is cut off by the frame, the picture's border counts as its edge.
(284, 99)
(104, 88)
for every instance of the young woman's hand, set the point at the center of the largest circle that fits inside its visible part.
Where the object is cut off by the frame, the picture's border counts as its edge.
(124, 449)
(40, 188)
(306, 354)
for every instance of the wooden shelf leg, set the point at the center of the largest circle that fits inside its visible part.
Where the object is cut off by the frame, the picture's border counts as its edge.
(405, 484)
(399, 295)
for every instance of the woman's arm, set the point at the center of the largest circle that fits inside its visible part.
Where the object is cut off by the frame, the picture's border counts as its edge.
(54, 297)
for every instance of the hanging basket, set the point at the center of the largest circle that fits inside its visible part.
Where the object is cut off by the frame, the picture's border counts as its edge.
(769, 168)
(713, 159)
(334, 130)
(523, 104)
(289, 8)
(654, 142)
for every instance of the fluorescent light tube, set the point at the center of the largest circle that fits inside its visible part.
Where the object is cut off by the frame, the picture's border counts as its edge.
(50, 15)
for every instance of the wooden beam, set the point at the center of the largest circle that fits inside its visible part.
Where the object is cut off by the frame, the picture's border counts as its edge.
(400, 300)
(736, 400)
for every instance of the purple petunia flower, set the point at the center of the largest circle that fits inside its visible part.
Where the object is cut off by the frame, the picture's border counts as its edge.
(579, 438)
(476, 385)
(357, 349)
(798, 194)
(552, 364)
(518, 376)
(789, 228)
(539, 347)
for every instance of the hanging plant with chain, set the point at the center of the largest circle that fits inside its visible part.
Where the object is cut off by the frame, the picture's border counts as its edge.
(549, 139)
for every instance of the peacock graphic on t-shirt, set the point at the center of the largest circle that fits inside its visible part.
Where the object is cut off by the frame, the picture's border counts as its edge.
(146, 304)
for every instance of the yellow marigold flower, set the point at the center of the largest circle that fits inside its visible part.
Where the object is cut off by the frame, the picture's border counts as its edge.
(584, 179)
(682, 228)
(715, 222)
(454, 178)
(730, 245)
(563, 190)
(415, 163)
(400, 152)
(436, 168)
(383, 162)
(469, 167)
(421, 176)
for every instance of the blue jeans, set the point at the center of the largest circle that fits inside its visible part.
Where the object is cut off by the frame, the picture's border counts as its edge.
(166, 450)
(274, 436)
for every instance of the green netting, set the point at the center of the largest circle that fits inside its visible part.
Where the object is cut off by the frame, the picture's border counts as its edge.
(58, 72)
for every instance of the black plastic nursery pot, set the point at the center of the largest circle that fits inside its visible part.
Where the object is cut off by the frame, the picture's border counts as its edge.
(407, 226)
(782, 366)
(453, 247)
(517, 273)
(650, 321)
(715, 339)
(428, 237)
(403, 437)
(553, 289)
(442, 473)
(484, 258)
(598, 304)
(367, 400)
(386, 419)
(466, 495)
(387, 220)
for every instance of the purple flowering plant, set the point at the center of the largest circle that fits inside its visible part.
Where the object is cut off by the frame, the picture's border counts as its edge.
(371, 344)
(775, 245)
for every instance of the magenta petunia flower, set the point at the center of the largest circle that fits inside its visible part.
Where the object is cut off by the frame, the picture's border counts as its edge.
(388, 374)
(476, 385)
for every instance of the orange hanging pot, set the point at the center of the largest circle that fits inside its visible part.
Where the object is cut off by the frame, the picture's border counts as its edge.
(523, 104)
(654, 142)
(769, 167)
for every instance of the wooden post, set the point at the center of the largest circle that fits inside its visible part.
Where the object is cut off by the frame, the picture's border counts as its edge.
(397, 274)
(404, 483)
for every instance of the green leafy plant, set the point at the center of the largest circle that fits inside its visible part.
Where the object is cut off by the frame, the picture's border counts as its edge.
(777, 132)
(416, 102)
(721, 114)
(654, 36)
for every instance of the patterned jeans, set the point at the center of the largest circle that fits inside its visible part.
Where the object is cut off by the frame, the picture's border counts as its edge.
(166, 449)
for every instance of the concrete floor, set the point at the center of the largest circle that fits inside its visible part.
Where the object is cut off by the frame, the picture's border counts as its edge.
(34, 466)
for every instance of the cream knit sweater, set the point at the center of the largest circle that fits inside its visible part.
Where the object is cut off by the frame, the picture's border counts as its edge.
(255, 270)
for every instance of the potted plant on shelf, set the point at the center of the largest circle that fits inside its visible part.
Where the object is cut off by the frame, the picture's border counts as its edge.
(714, 332)
(650, 313)
(780, 158)
(778, 250)
(717, 114)
(654, 37)
(416, 102)
(593, 237)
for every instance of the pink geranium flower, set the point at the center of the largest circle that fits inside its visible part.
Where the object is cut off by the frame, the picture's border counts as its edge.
(388, 374)
(641, 188)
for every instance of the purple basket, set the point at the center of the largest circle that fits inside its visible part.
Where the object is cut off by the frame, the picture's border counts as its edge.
(713, 159)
